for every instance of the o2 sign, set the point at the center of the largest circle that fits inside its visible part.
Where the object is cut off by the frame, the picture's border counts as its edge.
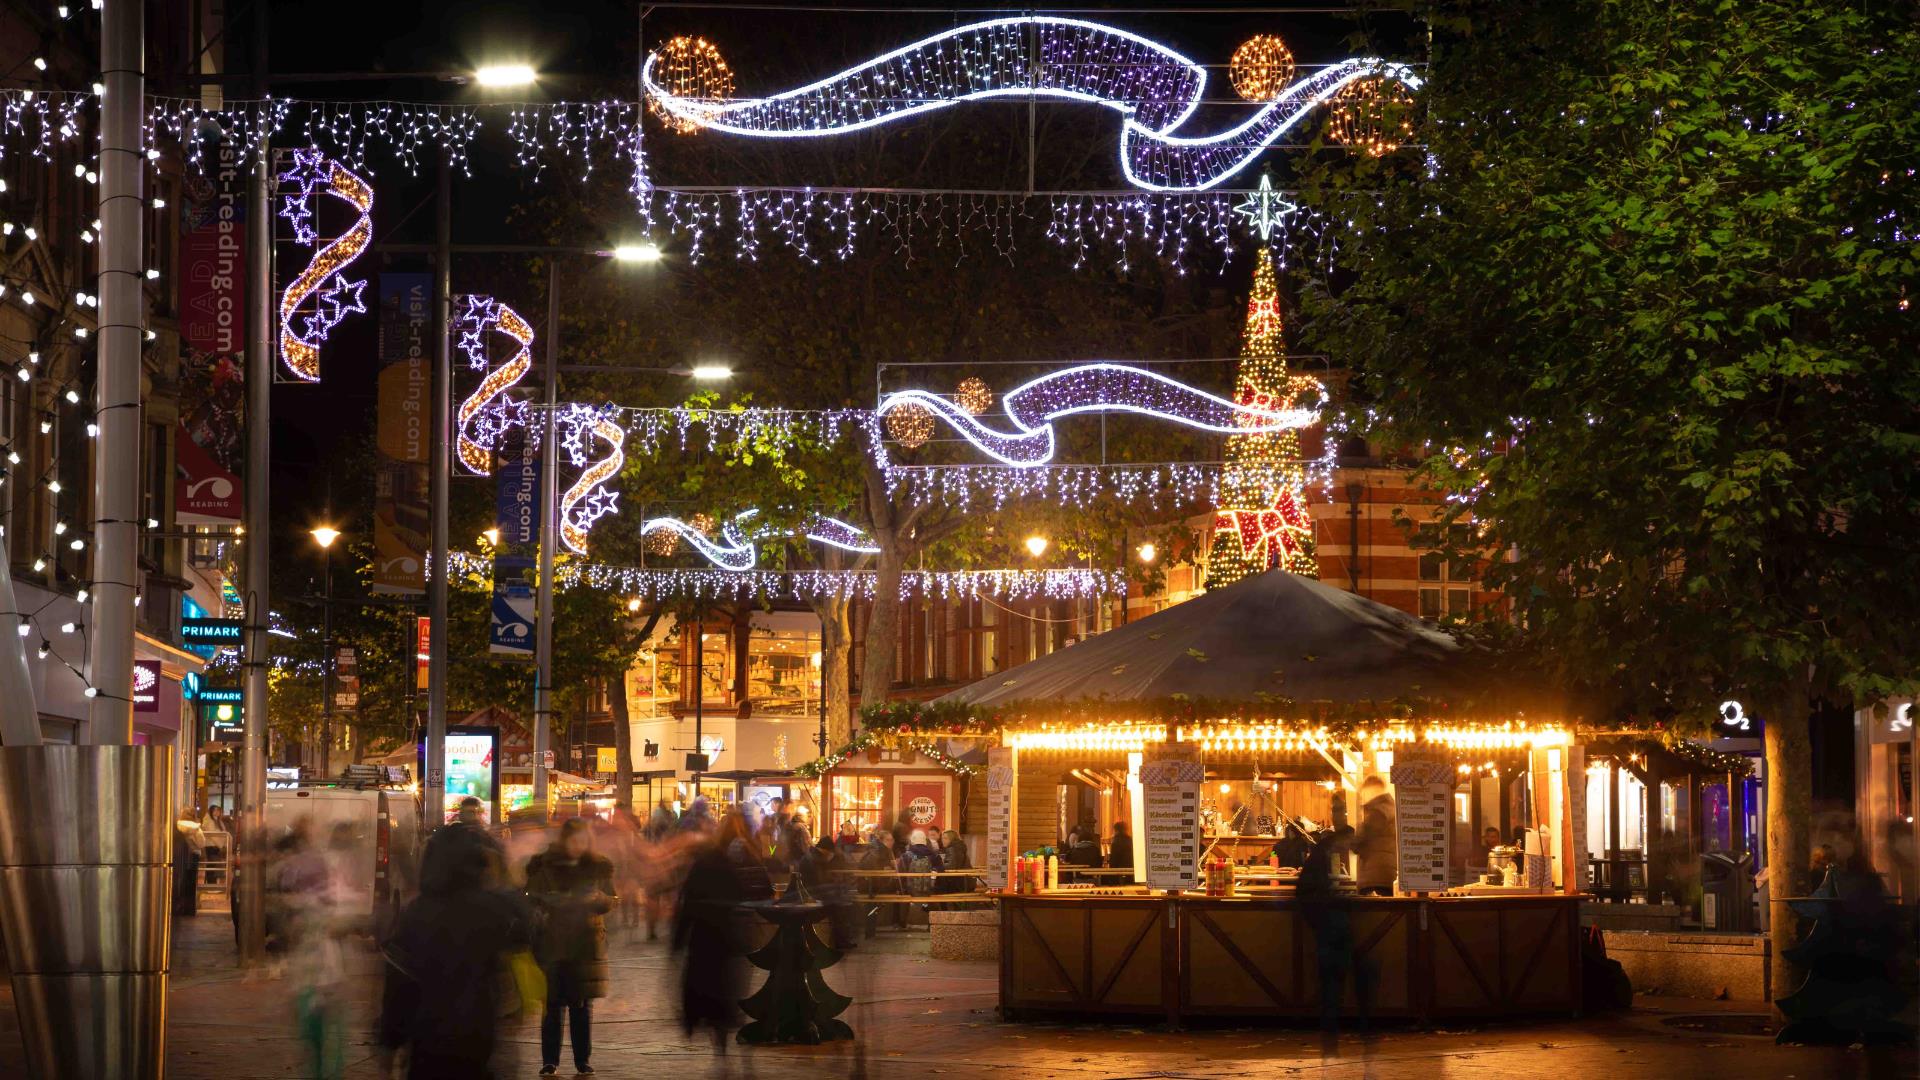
(1734, 717)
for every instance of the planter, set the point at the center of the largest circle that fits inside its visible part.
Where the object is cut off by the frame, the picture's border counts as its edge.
(86, 847)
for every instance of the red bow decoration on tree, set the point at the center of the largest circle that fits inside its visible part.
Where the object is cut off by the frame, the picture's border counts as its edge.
(1282, 526)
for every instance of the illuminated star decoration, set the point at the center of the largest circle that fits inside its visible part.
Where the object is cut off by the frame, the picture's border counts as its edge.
(587, 501)
(1153, 88)
(487, 414)
(302, 335)
(1265, 209)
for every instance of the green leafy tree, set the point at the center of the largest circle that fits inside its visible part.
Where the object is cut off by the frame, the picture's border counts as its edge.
(1644, 298)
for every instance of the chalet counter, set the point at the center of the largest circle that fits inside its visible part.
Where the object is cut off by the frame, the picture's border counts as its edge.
(1198, 956)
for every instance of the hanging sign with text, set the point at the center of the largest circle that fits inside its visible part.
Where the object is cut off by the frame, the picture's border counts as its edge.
(1171, 790)
(999, 815)
(1423, 798)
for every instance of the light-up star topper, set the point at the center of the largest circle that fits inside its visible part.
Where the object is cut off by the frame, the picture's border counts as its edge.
(1265, 209)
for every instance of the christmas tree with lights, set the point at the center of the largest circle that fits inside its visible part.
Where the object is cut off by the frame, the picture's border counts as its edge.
(1262, 520)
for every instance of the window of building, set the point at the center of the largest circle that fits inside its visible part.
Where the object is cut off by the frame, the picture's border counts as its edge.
(783, 672)
(1431, 566)
(859, 800)
(1430, 603)
(989, 637)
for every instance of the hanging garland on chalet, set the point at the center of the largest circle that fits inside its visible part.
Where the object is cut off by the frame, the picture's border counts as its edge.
(869, 740)
(1336, 719)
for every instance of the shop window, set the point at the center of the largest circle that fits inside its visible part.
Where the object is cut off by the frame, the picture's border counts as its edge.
(1675, 822)
(1716, 820)
(859, 800)
(783, 672)
(1633, 813)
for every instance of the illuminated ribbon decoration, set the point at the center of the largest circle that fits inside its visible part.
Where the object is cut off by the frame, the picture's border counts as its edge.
(1091, 388)
(480, 425)
(586, 501)
(736, 550)
(1154, 88)
(338, 297)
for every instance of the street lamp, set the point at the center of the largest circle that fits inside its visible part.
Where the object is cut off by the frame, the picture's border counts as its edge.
(711, 372)
(492, 537)
(1147, 551)
(325, 535)
(1036, 545)
(500, 76)
(637, 253)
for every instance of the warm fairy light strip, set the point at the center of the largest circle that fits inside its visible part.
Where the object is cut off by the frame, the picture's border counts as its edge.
(586, 501)
(660, 584)
(480, 426)
(1116, 738)
(1154, 88)
(300, 346)
(1033, 406)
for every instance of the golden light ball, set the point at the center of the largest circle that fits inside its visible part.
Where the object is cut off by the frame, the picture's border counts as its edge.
(691, 68)
(910, 425)
(1373, 116)
(662, 542)
(1261, 67)
(702, 523)
(973, 395)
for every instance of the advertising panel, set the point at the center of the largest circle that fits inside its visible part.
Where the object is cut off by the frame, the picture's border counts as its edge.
(472, 767)
(212, 280)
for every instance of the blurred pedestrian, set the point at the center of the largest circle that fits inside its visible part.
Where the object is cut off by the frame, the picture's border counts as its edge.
(469, 829)
(572, 888)
(447, 967)
(1329, 916)
(1291, 849)
(189, 846)
(703, 932)
(1375, 843)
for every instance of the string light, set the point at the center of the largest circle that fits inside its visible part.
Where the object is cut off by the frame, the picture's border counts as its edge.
(1153, 88)
(481, 426)
(1373, 115)
(1263, 519)
(1261, 67)
(325, 274)
(654, 584)
(690, 69)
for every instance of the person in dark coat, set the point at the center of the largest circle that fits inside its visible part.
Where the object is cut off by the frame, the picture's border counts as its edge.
(1120, 848)
(953, 855)
(1292, 848)
(445, 967)
(573, 889)
(469, 829)
(703, 931)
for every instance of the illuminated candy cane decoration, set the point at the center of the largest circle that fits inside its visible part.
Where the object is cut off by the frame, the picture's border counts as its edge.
(1152, 87)
(479, 425)
(586, 501)
(300, 338)
(1091, 388)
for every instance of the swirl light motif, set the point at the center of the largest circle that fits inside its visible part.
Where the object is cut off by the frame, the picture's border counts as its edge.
(587, 501)
(1154, 88)
(483, 420)
(1092, 388)
(301, 335)
(736, 551)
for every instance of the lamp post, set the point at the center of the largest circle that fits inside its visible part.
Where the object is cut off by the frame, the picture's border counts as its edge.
(325, 535)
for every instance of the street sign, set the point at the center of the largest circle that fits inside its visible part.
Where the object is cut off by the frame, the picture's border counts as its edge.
(546, 760)
(698, 763)
(209, 631)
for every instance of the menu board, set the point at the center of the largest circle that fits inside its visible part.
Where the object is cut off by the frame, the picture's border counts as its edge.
(999, 815)
(1171, 790)
(1423, 802)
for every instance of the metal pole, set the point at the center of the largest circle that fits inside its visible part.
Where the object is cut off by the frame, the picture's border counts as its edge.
(249, 888)
(116, 463)
(433, 809)
(326, 659)
(549, 534)
(699, 678)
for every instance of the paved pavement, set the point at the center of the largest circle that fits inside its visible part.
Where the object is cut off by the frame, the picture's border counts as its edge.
(920, 1018)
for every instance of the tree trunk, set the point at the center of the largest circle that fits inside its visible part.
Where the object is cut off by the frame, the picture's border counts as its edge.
(1789, 824)
(836, 669)
(623, 721)
(622, 743)
(883, 626)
